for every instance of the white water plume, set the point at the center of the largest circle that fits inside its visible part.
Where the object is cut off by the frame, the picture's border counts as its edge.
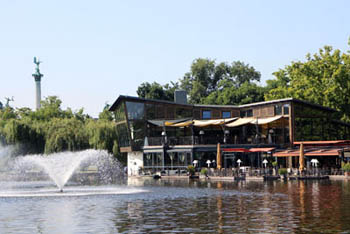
(61, 166)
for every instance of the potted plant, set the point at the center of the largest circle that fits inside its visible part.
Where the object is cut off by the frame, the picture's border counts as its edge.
(346, 168)
(191, 172)
(283, 172)
(204, 172)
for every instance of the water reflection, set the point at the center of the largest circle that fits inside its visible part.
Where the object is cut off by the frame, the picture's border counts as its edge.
(189, 206)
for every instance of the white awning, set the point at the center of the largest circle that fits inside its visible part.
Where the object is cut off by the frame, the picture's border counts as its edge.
(205, 123)
(252, 120)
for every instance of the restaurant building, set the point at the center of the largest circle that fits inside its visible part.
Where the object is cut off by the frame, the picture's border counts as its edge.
(163, 135)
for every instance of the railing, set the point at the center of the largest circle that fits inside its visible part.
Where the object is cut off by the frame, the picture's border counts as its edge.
(236, 172)
(203, 140)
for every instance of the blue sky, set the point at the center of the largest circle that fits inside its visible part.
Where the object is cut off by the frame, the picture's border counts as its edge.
(93, 51)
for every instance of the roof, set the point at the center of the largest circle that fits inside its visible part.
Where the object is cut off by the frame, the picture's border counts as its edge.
(132, 98)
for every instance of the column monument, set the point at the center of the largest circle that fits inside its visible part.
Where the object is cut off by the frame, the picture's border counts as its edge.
(37, 77)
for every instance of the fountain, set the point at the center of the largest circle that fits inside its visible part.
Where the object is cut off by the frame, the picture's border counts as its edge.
(33, 175)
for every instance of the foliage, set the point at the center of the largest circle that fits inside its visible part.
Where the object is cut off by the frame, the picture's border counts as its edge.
(157, 91)
(345, 166)
(191, 170)
(51, 129)
(323, 78)
(274, 163)
(211, 83)
(204, 171)
(282, 171)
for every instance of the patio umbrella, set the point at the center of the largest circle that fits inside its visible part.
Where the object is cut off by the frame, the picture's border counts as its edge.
(218, 157)
(301, 158)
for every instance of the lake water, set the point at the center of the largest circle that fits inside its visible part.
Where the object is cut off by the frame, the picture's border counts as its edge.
(144, 206)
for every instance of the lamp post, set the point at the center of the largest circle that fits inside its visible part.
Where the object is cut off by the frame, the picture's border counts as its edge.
(208, 162)
(195, 162)
(239, 163)
(226, 133)
(265, 163)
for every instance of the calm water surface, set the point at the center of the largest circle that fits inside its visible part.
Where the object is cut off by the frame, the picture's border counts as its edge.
(145, 206)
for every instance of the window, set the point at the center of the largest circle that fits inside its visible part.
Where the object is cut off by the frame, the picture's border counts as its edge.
(249, 113)
(135, 110)
(286, 109)
(278, 110)
(206, 114)
(226, 114)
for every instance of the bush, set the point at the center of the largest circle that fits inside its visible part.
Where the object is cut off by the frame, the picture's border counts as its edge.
(204, 171)
(346, 167)
(191, 170)
(282, 171)
(274, 163)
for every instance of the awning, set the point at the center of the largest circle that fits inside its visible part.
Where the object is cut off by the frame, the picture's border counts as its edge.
(162, 123)
(251, 150)
(183, 124)
(242, 150)
(253, 120)
(309, 152)
(261, 149)
(239, 122)
(205, 123)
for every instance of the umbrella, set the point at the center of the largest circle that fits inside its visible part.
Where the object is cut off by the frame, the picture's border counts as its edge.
(218, 157)
(301, 158)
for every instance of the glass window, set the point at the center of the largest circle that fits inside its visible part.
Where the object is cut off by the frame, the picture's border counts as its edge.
(120, 113)
(226, 114)
(249, 113)
(123, 135)
(150, 111)
(278, 110)
(286, 109)
(206, 114)
(135, 110)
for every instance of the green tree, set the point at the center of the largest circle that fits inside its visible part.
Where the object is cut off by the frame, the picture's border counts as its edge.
(157, 91)
(211, 83)
(323, 78)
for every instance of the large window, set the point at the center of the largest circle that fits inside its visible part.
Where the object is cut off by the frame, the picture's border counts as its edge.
(135, 110)
(183, 113)
(286, 109)
(120, 113)
(206, 114)
(278, 110)
(226, 114)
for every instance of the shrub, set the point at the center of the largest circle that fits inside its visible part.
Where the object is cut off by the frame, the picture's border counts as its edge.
(346, 167)
(204, 171)
(191, 170)
(282, 171)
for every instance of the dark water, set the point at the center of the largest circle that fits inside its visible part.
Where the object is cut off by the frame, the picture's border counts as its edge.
(187, 207)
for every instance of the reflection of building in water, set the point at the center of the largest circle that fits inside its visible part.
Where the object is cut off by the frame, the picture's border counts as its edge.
(162, 135)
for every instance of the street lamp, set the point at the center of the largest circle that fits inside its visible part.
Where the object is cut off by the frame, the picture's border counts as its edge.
(226, 133)
(239, 163)
(195, 162)
(265, 162)
(208, 162)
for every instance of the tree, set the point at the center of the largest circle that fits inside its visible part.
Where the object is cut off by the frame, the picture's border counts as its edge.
(323, 78)
(157, 91)
(211, 83)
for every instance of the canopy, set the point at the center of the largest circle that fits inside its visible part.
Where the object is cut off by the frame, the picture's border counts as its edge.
(239, 122)
(205, 123)
(244, 150)
(309, 152)
(253, 120)
(162, 123)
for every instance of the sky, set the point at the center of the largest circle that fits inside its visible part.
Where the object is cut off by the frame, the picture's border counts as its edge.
(94, 51)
